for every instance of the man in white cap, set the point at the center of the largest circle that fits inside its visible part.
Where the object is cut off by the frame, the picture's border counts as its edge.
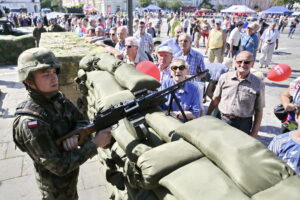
(165, 56)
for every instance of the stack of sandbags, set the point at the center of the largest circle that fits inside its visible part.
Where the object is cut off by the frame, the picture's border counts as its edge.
(12, 46)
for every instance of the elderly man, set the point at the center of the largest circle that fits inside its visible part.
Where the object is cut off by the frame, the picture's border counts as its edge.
(268, 42)
(188, 95)
(249, 40)
(173, 42)
(239, 95)
(146, 41)
(133, 54)
(216, 43)
(122, 33)
(233, 42)
(54, 27)
(165, 57)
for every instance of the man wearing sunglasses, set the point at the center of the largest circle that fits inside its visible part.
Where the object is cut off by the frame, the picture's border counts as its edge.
(188, 96)
(239, 95)
(173, 42)
(133, 53)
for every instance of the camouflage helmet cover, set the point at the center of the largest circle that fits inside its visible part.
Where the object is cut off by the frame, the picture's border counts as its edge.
(35, 59)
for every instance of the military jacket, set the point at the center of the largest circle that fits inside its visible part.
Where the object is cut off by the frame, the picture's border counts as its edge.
(38, 123)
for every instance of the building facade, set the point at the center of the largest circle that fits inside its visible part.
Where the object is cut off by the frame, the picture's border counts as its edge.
(32, 6)
(104, 6)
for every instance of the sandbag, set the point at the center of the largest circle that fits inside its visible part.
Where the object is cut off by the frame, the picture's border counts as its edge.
(163, 194)
(81, 75)
(107, 62)
(246, 161)
(132, 147)
(287, 189)
(128, 77)
(87, 63)
(104, 82)
(201, 179)
(163, 125)
(106, 102)
(162, 160)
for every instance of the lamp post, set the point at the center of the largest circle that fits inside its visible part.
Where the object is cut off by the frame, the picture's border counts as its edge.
(130, 17)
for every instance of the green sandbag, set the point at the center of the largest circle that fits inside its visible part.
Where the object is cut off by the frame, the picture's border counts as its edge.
(130, 78)
(201, 179)
(128, 143)
(287, 189)
(163, 125)
(104, 82)
(107, 62)
(163, 194)
(162, 160)
(87, 63)
(106, 102)
(246, 161)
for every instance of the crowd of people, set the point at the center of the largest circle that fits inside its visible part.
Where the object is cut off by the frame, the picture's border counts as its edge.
(237, 93)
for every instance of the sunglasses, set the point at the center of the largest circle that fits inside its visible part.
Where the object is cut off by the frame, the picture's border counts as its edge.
(128, 46)
(174, 68)
(112, 34)
(246, 62)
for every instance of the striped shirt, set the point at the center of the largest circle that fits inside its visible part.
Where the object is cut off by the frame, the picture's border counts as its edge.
(146, 41)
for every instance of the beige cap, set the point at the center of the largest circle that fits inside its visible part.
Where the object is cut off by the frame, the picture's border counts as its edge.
(165, 49)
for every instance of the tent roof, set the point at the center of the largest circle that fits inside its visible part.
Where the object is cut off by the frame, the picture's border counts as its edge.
(152, 7)
(277, 10)
(238, 9)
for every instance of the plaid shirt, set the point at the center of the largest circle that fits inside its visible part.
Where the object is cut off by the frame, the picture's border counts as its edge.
(194, 60)
(146, 41)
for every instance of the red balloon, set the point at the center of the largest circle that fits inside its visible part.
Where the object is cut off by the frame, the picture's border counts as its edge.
(279, 72)
(149, 68)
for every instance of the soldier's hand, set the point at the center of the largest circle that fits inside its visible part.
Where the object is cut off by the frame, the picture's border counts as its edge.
(102, 138)
(71, 143)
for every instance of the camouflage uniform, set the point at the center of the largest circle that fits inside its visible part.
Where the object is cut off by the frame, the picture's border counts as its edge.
(38, 124)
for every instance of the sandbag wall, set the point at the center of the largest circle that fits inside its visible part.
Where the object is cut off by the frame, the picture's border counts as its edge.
(166, 159)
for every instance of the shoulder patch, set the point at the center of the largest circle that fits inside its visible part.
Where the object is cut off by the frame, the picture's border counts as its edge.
(32, 124)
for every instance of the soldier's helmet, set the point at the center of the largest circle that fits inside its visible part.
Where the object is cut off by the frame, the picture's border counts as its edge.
(35, 59)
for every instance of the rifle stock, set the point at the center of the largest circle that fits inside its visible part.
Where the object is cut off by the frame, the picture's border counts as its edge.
(127, 108)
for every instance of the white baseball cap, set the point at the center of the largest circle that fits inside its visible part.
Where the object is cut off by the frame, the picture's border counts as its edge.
(165, 49)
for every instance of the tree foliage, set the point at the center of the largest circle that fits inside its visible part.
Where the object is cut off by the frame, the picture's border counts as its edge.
(176, 5)
(288, 3)
(162, 4)
(45, 3)
(205, 4)
(145, 3)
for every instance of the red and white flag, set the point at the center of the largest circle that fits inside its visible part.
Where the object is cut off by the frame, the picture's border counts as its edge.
(32, 124)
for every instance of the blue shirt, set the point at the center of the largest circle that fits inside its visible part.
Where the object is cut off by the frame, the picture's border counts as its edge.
(188, 97)
(173, 44)
(195, 61)
(287, 149)
(250, 42)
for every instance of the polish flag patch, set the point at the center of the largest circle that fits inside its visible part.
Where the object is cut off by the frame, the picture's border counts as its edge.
(32, 124)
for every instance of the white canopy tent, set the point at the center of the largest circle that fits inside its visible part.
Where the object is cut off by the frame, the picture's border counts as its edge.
(238, 9)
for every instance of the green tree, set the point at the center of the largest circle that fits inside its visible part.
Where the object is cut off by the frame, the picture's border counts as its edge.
(176, 5)
(45, 3)
(162, 4)
(219, 7)
(145, 3)
(288, 3)
(205, 4)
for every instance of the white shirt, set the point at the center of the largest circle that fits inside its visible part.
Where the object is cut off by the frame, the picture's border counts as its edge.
(235, 36)
(270, 36)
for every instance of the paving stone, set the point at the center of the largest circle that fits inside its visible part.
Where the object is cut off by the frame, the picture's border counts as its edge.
(22, 188)
(99, 193)
(28, 168)
(10, 168)
(91, 176)
(3, 149)
(13, 151)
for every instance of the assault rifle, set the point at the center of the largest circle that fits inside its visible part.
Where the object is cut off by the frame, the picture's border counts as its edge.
(144, 100)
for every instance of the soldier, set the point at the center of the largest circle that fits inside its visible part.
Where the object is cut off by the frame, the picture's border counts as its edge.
(43, 118)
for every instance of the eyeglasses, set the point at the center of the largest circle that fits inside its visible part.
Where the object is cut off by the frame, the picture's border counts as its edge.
(179, 32)
(112, 34)
(128, 46)
(246, 62)
(174, 68)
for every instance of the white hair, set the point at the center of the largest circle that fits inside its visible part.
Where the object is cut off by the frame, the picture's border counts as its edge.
(134, 41)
